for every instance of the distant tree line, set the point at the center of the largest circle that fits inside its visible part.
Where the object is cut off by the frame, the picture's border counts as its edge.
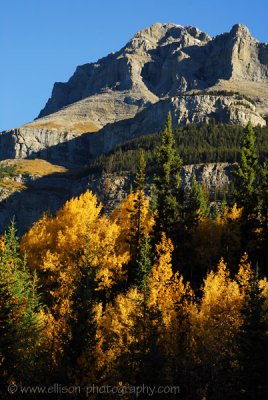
(206, 143)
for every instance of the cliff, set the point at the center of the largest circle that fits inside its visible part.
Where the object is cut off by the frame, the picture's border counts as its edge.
(128, 93)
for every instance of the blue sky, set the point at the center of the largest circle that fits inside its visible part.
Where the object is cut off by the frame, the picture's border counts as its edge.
(42, 41)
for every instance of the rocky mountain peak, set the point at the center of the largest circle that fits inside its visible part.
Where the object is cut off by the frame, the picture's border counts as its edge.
(240, 30)
(161, 35)
(157, 31)
(164, 67)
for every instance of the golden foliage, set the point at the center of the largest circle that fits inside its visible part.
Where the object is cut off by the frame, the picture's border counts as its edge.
(122, 216)
(116, 333)
(245, 273)
(170, 299)
(218, 318)
(61, 248)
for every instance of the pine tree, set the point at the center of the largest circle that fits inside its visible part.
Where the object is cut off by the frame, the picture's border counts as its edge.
(138, 238)
(247, 171)
(140, 176)
(263, 207)
(197, 208)
(136, 228)
(253, 343)
(168, 182)
(144, 264)
(20, 324)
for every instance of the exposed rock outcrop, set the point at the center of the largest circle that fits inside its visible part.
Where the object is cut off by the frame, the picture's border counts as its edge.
(49, 193)
(165, 67)
(167, 60)
(129, 92)
(68, 148)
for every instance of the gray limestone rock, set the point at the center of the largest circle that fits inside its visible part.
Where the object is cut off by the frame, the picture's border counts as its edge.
(165, 67)
(129, 92)
(49, 193)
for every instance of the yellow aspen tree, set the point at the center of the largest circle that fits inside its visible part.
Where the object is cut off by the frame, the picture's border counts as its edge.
(245, 273)
(117, 337)
(230, 224)
(215, 329)
(77, 242)
(171, 300)
(122, 216)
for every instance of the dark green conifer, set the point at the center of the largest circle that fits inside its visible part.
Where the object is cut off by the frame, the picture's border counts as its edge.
(253, 343)
(168, 182)
(198, 206)
(20, 327)
(247, 172)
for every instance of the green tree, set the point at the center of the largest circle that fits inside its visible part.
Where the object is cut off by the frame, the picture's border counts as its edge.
(168, 182)
(144, 264)
(263, 208)
(253, 343)
(20, 325)
(247, 172)
(136, 227)
(140, 176)
(197, 207)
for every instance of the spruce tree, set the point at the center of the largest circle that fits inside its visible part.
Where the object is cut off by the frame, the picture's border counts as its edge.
(144, 264)
(253, 343)
(136, 230)
(247, 194)
(247, 172)
(168, 183)
(20, 327)
(263, 209)
(140, 176)
(197, 207)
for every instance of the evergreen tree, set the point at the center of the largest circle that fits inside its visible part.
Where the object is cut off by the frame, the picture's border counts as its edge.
(20, 324)
(253, 342)
(168, 182)
(247, 194)
(263, 207)
(247, 172)
(197, 207)
(136, 228)
(140, 176)
(144, 264)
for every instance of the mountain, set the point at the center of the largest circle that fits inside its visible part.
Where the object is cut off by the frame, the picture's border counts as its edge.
(128, 93)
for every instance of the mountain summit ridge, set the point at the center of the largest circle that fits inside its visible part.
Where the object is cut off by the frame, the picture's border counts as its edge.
(194, 60)
(128, 93)
(164, 67)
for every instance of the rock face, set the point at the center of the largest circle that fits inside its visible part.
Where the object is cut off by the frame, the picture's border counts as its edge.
(167, 60)
(129, 92)
(185, 109)
(49, 193)
(71, 149)
(165, 67)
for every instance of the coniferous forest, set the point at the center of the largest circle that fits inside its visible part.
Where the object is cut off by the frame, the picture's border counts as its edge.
(166, 297)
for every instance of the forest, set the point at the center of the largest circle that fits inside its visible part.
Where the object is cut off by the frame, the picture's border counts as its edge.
(163, 294)
(206, 143)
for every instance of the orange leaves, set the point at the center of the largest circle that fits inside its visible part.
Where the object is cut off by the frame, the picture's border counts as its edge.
(75, 220)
